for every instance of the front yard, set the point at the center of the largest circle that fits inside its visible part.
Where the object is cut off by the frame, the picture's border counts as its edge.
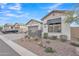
(59, 48)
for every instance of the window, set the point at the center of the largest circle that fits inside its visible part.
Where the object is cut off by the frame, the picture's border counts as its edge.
(50, 28)
(54, 28)
(54, 25)
(57, 28)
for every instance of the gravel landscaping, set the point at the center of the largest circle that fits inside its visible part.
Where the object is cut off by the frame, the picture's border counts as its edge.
(60, 48)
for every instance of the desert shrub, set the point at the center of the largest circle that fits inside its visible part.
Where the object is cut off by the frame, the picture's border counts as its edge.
(49, 50)
(53, 37)
(28, 37)
(39, 43)
(63, 38)
(48, 42)
(75, 44)
(45, 35)
(36, 39)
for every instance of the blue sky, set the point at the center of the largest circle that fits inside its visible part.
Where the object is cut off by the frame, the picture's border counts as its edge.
(23, 12)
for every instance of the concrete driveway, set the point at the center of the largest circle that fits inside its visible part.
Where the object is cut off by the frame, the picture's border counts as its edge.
(14, 36)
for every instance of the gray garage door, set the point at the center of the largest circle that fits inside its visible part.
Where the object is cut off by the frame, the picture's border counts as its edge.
(33, 31)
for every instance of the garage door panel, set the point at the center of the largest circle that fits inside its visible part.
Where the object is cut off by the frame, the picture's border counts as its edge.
(33, 31)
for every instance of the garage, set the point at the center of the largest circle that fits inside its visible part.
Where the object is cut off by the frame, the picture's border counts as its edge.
(33, 31)
(34, 28)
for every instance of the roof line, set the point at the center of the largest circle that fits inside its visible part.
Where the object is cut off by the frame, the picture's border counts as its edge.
(60, 11)
(33, 20)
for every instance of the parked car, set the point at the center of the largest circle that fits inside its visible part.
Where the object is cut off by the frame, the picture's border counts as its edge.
(10, 31)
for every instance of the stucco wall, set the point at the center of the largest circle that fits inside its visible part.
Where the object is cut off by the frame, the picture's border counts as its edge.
(65, 27)
(23, 28)
(52, 16)
(34, 23)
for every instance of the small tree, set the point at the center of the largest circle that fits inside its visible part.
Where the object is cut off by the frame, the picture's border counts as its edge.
(72, 16)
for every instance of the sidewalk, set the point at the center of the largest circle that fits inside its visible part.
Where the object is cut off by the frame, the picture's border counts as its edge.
(5, 50)
(19, 49)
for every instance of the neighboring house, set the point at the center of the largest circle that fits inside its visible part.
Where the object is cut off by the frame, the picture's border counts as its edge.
(54, 24)
(7, 27)
(16, 26)
(23, 28)
(75, 33)
(34, 28)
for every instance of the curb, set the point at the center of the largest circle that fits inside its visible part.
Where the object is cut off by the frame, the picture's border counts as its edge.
(19, 49)
(77, 51)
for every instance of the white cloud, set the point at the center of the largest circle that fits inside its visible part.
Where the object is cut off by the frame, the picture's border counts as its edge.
(10, 14)
(16, 15)
(4, 13)
(16, 7)
(23, 15)
(7, 11)
(54, 7)
(3, 20)
(3, 5)
(6, 18)
(1, 12)
(19, 12)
